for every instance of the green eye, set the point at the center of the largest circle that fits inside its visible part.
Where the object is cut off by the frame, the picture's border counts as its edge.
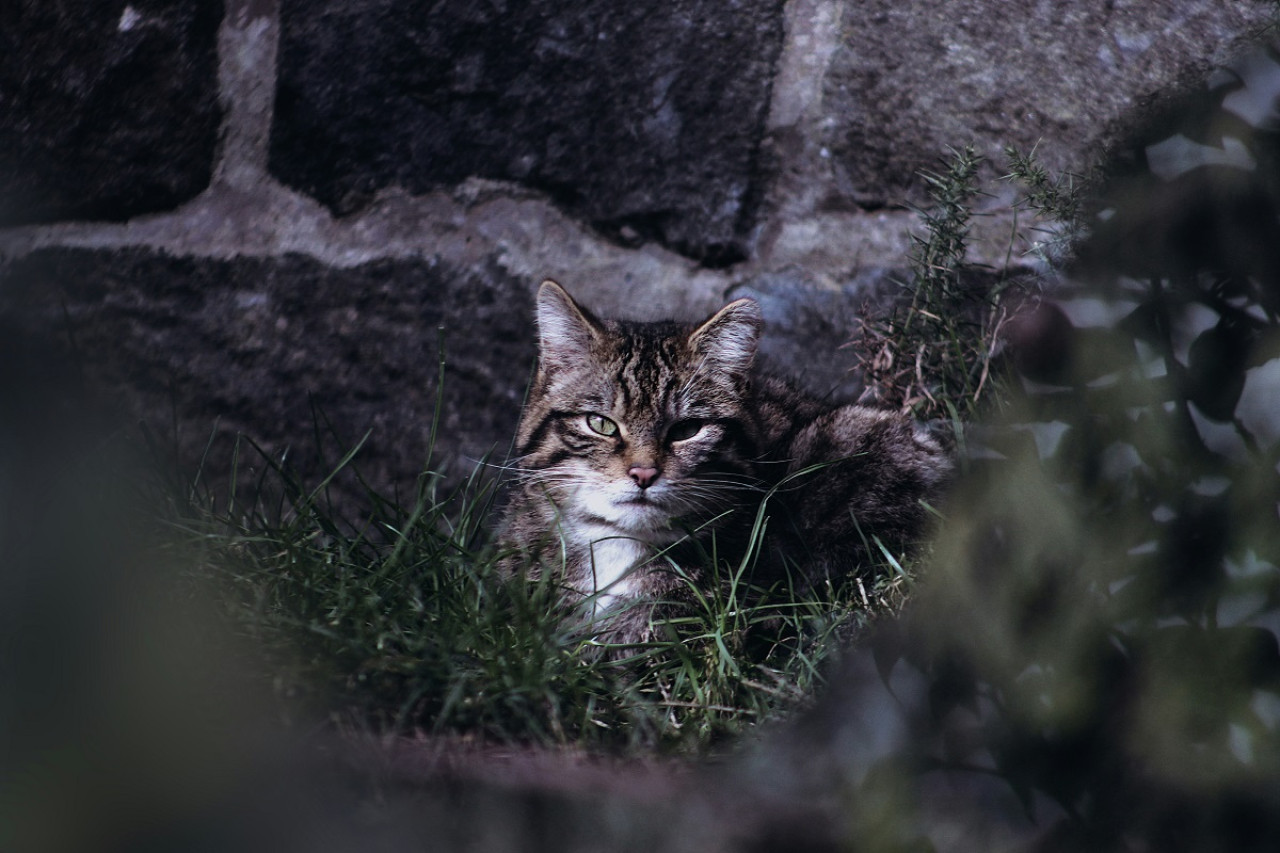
(601, 425)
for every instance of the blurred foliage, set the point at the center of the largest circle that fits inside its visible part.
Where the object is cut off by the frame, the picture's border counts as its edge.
(1093, 662)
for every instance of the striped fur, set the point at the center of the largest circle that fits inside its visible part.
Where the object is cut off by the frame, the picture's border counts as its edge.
(641, 442)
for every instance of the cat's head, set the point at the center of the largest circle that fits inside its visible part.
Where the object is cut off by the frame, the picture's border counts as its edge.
(640, 427)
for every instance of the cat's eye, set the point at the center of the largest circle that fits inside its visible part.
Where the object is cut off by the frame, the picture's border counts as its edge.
(684, 430)
(601, 425)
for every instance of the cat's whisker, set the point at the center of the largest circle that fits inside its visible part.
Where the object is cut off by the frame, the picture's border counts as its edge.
(735, 488)
(488, 463)
(682, 395)
(727, 480)
(720, 493)
(507, 468)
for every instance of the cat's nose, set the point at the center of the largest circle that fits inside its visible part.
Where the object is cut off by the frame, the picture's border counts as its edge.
(644, 476)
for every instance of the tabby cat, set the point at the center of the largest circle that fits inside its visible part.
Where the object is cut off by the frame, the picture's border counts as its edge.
(640, 442)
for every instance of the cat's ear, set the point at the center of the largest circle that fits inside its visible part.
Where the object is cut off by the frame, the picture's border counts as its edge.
(728, 340)
(564, 329)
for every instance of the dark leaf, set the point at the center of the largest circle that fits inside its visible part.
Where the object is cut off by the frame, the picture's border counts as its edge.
(1215, 370)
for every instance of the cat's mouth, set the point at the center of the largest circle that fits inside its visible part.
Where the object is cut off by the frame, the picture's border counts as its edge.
(646, 502)
(643, 508)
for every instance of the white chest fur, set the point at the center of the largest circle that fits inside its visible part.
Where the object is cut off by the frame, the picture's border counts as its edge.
(612, 560)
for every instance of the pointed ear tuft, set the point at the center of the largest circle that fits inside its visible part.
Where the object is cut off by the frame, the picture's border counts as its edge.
(729, 338)
(564, 329)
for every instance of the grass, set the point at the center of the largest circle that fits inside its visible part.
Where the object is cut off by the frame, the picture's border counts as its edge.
(938, 355)
(933, 356)
(399, 621)
(1057, 200)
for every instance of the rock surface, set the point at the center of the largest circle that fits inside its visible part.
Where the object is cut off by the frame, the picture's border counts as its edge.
(911, 78)
(647, 125)
(304, 359)
(107, 109)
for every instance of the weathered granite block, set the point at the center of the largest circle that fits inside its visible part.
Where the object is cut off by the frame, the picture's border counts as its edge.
(108, 108)
(645, 119)
(292, 353)
(912, 77)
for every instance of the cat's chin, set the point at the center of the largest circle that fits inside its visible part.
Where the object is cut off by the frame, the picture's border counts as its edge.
(638, 518)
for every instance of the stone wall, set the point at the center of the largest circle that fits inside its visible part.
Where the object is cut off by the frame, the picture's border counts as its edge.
(238, 214)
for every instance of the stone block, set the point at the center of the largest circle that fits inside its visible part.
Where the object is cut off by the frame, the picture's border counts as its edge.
(108, 108)
(294, 354)
(908, 79)
(644, 119)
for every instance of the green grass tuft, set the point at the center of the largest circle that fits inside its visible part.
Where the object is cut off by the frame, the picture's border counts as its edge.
(934, 356)
(938, 355)
(401, 622)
